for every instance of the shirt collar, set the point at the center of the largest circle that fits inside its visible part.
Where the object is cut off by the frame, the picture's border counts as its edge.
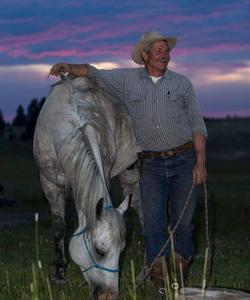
(144, 73)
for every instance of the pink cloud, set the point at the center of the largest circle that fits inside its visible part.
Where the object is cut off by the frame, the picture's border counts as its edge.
(84, 36)
(81, 36)
(213, 33)
(100, 52)
(219, 48)
(16, 46)
(230, 8)
(61, 31)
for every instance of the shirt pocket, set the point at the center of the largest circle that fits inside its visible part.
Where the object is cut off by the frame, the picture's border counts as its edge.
(136, 104)
(171, 105)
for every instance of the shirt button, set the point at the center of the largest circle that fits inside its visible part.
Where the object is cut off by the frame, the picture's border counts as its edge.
(158, 127)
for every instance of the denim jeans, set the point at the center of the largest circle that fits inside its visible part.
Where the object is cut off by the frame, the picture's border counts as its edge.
(165, 184)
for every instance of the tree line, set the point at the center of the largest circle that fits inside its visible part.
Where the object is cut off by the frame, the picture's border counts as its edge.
(23, 121)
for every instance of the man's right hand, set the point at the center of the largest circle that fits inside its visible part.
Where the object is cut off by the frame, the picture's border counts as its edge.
(75, 69)
(60, 68)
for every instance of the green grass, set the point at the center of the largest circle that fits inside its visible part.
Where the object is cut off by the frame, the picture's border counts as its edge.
(229, 223)
(18, 253)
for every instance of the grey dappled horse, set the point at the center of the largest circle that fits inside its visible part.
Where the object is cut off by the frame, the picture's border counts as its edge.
(83, 138)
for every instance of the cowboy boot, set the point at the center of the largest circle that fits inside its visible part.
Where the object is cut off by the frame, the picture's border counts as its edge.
(157, 275)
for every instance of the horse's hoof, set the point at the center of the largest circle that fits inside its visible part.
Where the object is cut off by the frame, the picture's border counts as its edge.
(58, 280)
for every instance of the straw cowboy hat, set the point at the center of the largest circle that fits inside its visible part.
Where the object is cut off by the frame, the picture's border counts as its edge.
(146, 39)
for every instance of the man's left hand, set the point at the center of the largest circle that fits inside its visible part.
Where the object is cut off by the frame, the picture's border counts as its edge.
(199, 173)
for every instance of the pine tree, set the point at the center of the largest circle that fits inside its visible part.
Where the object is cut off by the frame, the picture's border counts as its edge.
(20, 118)
(32, 114)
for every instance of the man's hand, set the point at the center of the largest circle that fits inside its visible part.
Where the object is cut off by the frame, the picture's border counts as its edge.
(75, 69)
(60, 68)
(199, 170)
(199, 173)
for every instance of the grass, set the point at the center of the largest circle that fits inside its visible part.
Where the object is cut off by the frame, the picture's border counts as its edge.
(229, 223)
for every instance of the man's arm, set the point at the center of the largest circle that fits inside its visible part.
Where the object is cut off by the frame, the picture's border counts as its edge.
(199, 170)
(75, 69)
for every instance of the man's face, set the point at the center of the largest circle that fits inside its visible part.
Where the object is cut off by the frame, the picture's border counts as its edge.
(157, 59)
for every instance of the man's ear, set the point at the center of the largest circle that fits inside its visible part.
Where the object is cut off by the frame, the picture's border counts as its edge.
(144, 55)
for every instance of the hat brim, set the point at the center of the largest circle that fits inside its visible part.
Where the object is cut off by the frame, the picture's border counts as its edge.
(139, 47)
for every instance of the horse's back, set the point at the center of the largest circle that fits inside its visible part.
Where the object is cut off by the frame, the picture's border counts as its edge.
(57, 120)
(66, 110)
(58, 116)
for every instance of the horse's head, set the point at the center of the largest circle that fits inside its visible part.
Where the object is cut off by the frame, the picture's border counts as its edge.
(97, 251)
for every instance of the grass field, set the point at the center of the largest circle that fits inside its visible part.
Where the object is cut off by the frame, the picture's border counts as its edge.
(20, 248)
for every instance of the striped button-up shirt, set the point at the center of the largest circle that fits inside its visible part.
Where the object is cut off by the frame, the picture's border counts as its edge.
(165, 114)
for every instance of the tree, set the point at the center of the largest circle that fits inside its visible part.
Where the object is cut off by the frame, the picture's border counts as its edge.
(32, 114)
(20, 119)
(2, 123)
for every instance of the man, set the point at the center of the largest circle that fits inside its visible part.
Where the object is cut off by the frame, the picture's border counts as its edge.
(171, 131)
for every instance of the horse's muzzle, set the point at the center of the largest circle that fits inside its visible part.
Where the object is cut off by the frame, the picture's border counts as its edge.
(100, 294)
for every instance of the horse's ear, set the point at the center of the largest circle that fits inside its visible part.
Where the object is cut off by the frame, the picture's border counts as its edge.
(99, 209)
(124, 205)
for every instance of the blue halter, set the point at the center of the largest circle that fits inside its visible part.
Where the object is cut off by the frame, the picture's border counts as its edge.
(95, 264)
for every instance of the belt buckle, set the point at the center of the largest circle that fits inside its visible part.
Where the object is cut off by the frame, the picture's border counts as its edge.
(163, 154)
(167, 154)
(171, 153)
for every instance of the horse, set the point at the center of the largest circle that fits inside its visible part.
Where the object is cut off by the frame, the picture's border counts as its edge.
(83, 138)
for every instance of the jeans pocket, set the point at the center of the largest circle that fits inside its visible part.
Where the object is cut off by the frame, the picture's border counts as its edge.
(188, 155)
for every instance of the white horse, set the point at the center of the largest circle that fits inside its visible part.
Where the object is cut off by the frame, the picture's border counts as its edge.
(83, 138)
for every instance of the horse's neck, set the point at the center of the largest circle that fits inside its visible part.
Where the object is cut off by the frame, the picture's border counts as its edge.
(81, 221)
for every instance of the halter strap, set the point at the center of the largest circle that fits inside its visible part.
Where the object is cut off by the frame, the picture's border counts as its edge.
(108, 206)
(95, 264)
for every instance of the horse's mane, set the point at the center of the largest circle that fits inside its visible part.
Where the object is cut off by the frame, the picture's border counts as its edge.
(76, 159)
(81, 175)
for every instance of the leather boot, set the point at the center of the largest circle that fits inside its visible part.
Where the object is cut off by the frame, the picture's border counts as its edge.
(157, 275)
(181, 268)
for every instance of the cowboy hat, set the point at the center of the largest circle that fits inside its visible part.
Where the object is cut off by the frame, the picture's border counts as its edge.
(146, 39)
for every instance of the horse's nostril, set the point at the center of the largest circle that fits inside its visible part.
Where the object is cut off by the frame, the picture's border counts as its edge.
(97, 291)
(107, 295)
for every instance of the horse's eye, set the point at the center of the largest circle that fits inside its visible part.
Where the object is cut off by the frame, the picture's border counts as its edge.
(99, 252)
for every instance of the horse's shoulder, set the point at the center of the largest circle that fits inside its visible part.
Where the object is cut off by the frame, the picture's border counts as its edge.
(83, 83)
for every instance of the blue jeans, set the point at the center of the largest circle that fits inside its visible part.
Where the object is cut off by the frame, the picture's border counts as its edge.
(165, 184)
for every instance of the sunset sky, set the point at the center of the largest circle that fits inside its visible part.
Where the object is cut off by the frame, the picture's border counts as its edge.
(213, 45)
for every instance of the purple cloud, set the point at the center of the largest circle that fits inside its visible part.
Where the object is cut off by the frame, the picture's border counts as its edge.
(213, 38)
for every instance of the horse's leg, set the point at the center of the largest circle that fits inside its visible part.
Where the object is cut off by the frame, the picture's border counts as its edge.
(129, 180)
(55, 196)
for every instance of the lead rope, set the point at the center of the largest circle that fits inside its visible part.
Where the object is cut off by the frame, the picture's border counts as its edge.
(140, 280)
(207, 231)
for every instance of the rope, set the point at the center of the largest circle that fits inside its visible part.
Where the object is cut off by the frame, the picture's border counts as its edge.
(207, 229)
(140, 282)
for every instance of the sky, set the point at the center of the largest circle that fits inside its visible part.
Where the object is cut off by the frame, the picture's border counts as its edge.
(213, 45)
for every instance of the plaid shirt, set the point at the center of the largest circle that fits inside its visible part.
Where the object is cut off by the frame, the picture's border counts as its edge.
(165, 114)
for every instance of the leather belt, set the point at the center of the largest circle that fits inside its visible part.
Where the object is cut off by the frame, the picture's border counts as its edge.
(166, 153)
